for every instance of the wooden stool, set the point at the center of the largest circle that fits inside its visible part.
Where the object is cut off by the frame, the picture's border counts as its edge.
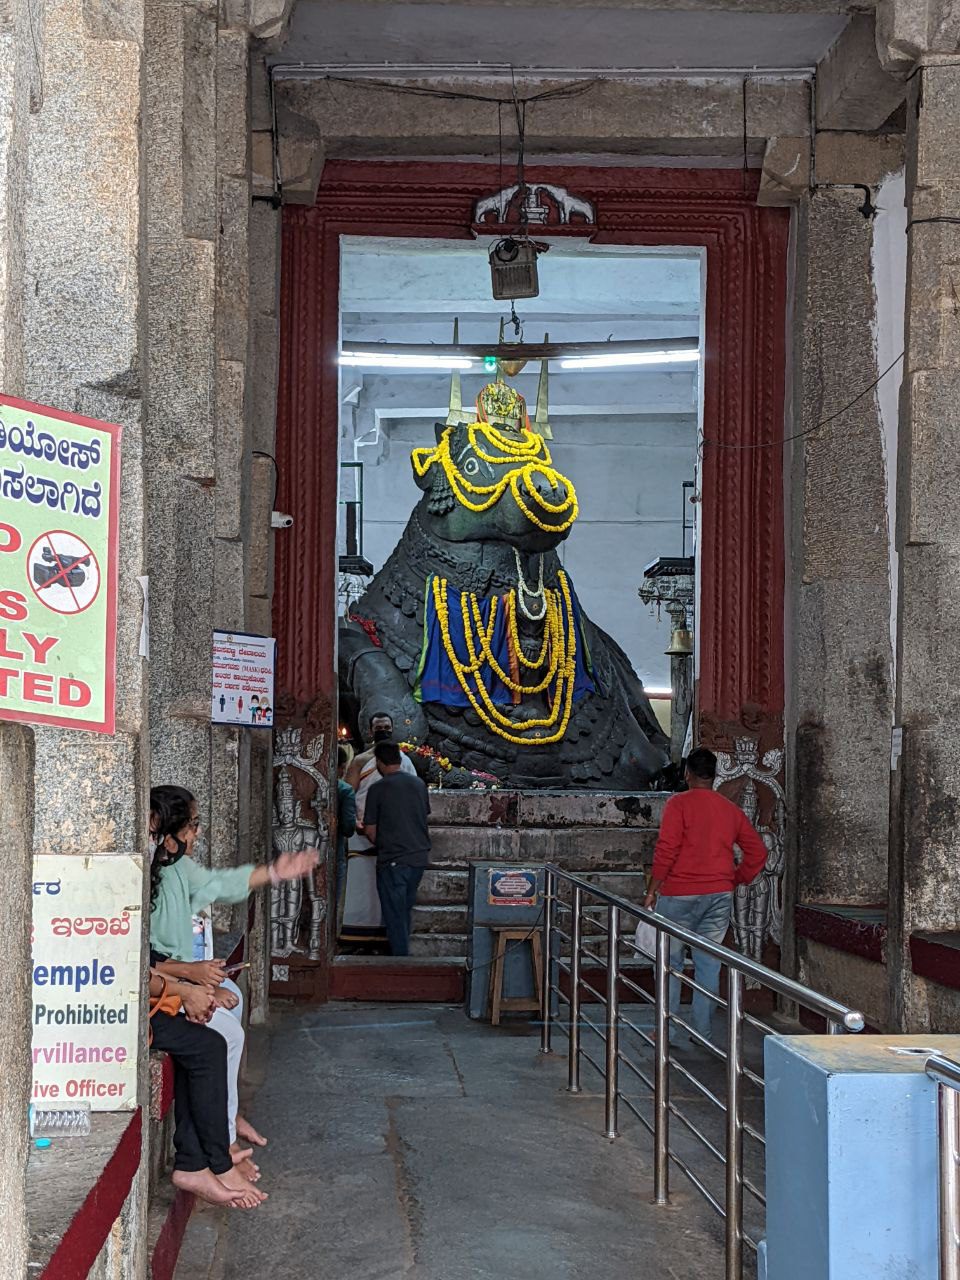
(499, 1002)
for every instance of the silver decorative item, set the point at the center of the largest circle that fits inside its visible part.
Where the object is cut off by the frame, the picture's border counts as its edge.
(293, 831)
(758, 907)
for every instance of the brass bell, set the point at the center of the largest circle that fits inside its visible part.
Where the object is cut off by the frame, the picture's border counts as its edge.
(511, 367)
(681, 644)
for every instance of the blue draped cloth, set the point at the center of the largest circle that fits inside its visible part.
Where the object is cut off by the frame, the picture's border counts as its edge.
(436, 679)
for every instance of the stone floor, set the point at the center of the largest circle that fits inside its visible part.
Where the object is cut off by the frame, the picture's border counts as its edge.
(409, 1143)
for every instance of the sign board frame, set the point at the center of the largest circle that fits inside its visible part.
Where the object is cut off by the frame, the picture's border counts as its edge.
(26, 457)
(498, 875)
(86, 974)
(269, 643)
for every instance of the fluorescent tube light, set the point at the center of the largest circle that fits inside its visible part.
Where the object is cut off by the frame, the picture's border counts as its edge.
(387, 360)
(627, 359)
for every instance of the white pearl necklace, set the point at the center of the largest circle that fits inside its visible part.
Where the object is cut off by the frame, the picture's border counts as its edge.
(524, 592)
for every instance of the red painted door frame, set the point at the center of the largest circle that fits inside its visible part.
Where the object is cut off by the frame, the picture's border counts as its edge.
(740, 615)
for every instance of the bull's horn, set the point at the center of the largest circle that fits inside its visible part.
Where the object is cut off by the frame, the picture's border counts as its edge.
(455, 412)
(541, 423)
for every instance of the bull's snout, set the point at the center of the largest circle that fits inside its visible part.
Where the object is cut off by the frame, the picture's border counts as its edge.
(554, 494)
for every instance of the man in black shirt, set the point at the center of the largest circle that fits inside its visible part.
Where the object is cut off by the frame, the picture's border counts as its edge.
(395, 821)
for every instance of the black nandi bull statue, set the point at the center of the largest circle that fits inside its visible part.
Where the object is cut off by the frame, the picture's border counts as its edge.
(470, 636)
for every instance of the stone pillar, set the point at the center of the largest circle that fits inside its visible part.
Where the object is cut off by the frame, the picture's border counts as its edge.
(925, 827)
(16, 851)
(82, 308)
(18, 82)
(840, 566)
(264, 258)
(202, 508)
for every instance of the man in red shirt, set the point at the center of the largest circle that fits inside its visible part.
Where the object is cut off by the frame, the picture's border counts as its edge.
(695, 874)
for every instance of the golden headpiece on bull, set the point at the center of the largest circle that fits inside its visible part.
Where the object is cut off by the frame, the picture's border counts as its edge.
(499, 403)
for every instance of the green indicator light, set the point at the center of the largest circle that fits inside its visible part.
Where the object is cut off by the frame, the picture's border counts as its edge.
(490, 364)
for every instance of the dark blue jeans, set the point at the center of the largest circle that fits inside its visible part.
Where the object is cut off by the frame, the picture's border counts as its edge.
(397, 886)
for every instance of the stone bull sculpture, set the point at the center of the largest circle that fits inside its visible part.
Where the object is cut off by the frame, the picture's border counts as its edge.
(470, 636)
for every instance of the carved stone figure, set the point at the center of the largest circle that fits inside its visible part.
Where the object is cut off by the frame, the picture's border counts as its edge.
(294, 831)
(286, 899)
(536, 213)
(758, 907)
(471, 637)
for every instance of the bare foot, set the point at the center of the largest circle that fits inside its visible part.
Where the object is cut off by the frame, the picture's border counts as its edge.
(238, 1153)
(207, 1186)
(249, 1170)
(248, 1133)
(249, 1196)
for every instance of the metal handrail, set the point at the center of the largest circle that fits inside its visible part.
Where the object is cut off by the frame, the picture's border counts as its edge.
(833, 1011)
(840, 1019)
(947, 1075)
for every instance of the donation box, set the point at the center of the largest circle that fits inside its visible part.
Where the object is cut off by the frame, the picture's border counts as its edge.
(507, 895)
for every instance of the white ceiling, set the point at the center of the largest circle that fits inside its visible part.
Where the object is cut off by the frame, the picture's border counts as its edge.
(410, 291)
(532, 36)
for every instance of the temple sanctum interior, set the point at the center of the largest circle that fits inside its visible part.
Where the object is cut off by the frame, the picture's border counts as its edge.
(627, 434)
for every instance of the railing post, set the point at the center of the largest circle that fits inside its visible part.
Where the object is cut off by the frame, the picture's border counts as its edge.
(949, 1111)
(546, 992)
(734, 1144)
(613, 1020)
(573, 1038)
(661, 1078)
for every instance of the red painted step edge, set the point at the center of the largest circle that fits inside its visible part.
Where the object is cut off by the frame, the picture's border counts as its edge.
(88, 1232)
(163, 1261)
(401, 982)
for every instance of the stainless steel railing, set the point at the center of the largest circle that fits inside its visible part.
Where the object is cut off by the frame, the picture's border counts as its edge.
(593, 915)
(947, 1075)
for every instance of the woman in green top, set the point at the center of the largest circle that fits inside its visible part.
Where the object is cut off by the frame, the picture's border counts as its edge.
(179, 888)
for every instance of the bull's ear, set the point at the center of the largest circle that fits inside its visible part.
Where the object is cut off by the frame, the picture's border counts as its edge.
(438, 429)
(425, 481)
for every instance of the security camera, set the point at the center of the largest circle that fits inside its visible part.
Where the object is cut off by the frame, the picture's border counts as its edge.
(280, 520)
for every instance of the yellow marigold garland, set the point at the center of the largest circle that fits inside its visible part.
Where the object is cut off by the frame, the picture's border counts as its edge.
(533, 459)
(471, 682)
(486, 651)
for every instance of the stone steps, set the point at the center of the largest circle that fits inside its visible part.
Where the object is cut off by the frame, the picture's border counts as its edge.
(434, 918)
(451, 945)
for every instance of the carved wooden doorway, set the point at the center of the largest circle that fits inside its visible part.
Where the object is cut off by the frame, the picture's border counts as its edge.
(740, 610)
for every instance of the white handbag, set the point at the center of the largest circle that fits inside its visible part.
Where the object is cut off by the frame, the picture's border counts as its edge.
(645, 939)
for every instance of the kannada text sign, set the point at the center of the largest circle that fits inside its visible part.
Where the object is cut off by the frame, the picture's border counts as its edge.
(86, 979)
(242, 686)
(59, 508)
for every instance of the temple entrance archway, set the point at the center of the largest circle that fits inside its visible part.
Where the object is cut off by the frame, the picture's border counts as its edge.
(740, 553)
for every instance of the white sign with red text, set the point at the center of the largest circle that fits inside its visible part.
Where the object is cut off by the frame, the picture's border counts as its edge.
(86, 979)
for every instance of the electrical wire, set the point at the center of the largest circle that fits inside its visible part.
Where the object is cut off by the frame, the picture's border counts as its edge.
(459, 95)
(262, 453)
(799, 435)
(511, 946)
(949, 218)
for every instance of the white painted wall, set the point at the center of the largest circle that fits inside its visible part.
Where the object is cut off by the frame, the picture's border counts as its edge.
(890, 284)
(626, 438)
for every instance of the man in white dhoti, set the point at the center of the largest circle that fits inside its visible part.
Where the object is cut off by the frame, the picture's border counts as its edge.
(362, 917)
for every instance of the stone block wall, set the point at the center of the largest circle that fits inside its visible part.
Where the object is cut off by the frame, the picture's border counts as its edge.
(208, 497)
(840, 565)
(125, 295)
